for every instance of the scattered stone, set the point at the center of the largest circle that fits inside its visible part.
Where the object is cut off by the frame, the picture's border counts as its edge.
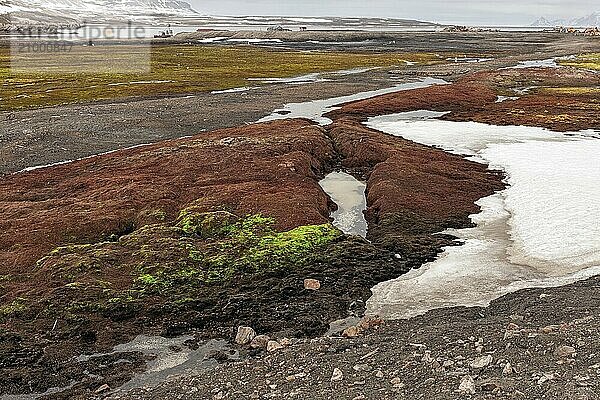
(379, 374)
(508, 369)
(244, 336)
(351, 332)
(102, 388)
(448, 363)
(482, 362)
(337, 375)
(312, 284)
(546, 376)
(427, 357)
(260, 342)
(370, 322)
(362, 367)
(467, 385)
(565, 351)
(285, 342)
(273, 345)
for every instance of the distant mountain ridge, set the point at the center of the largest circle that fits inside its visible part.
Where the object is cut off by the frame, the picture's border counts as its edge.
(591, 20)
(76, 11)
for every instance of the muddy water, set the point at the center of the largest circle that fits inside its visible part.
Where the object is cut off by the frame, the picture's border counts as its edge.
(349, 194)
(169, 357)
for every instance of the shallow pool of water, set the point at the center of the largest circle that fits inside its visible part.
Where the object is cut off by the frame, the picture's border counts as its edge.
(349, 195)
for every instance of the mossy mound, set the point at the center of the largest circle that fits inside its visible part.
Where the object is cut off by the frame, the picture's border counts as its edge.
(174, 264)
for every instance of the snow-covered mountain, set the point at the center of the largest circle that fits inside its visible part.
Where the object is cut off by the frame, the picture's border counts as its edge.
(590, 20)
(74, 11)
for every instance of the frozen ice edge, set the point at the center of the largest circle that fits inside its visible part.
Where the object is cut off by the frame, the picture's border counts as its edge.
(512, 247)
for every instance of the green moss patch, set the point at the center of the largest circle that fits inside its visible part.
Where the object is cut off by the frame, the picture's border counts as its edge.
(178, 263)
(584, 61)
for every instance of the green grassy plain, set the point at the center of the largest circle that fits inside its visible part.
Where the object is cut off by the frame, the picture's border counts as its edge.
(585, 61)
(75, 76)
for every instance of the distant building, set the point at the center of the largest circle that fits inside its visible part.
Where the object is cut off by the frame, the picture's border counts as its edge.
(278, 28)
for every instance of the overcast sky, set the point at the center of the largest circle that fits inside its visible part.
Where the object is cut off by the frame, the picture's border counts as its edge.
(488, 12)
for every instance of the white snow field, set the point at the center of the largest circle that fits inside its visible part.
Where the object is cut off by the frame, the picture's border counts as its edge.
(541, 231)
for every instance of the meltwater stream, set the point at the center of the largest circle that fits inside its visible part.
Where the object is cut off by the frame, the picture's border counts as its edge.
(541, 231)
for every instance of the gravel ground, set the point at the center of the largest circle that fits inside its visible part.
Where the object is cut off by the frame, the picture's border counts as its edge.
(49, 135)
(533, 344)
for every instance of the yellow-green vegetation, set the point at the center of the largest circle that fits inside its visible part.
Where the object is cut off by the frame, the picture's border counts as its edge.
(182, 260)
(584, 61)
(96, 73)
(579, 91)
(245, 245)
(13, 308)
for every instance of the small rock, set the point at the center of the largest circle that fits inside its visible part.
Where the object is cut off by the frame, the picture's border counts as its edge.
(467, 385)
(448, 363)
(351, 332)
(379, 374)
(337, 375)
(482, 362)
(290, 378)
(260, 342)
(512, 327)
(312, 284)
(550, 329)
(545, 378)
(274, 345)
(285, 342)
(565, 351)
(102, 388)
(427, 357)
(370, 322)
(489, 386)
(395, 381)
(508, 369)
(245, 334)
(362, 367)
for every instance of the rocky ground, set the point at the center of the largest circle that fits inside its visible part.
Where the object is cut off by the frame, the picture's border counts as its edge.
(155, 240)
(534, 344)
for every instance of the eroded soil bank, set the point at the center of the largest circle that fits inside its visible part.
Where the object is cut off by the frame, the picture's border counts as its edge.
(203, 235)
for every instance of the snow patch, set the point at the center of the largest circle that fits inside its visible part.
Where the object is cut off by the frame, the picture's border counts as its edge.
(541, 231)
